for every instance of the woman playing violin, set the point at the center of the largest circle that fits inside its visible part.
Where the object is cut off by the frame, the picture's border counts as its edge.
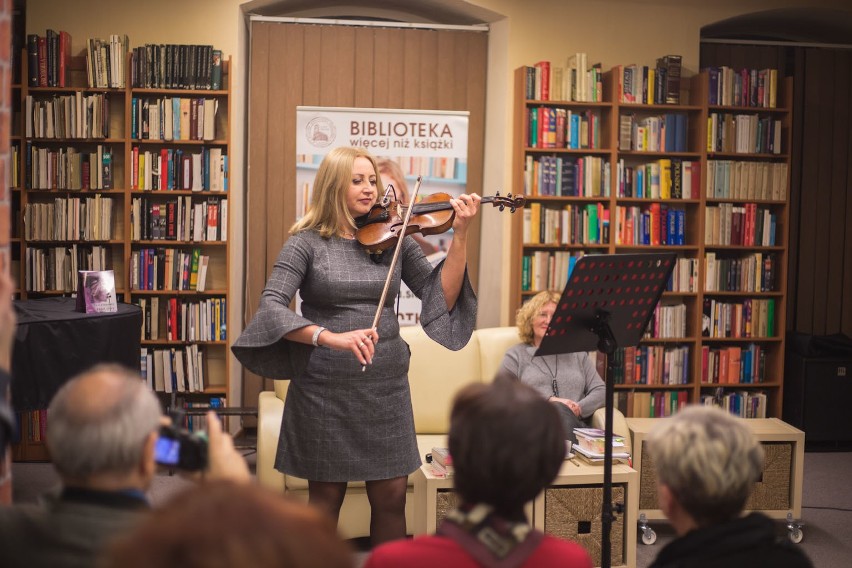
(341, 424)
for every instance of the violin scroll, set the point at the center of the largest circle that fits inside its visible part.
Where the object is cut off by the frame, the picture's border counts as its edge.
(510, 201)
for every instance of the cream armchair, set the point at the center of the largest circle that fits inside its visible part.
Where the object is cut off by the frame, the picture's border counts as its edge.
(435, 375)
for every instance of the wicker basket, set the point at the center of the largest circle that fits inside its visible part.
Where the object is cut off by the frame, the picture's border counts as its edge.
(770, 493)
(445, 501)
(574, 513)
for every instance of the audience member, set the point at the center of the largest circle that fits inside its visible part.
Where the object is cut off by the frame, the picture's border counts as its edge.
(707, 462)
(568, 380)
(101, 433)
(507, 445)
(227, 525)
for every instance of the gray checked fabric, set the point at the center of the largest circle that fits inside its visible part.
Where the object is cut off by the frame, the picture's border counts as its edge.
(342, 424)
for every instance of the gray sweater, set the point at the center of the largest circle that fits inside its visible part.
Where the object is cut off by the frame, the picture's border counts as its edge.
(575, 375)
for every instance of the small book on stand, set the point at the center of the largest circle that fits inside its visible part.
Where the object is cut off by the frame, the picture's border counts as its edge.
(96, 291)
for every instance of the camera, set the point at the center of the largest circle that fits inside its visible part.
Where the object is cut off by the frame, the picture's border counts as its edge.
(181, 449)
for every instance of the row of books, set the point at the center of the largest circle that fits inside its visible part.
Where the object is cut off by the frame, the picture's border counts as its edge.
(574, 81)
(69, 219)
(56, 268)
(643, 84)
(729, 179)
(744, 87)
(185, 320)
(77, 115)
(180, 219)
(176, 66)
(544, 270)
(34, 423)
(180, 369)
(570, 224)
(67, 168)
(735, 364)
(684, 277)
(563, 128)
(567, 176)
(663, 133)
(652, 365)
(105, 61)
(173, 118)
(49, 59)
(201, 320)
(753, 272)
(653, 224)
(751, 317)
(744, 404)
(667, 321)
(168, 269)
(740, 225)
(661, 179)
(650, 404)
(198, 423)
(743, 133)
(170, 169)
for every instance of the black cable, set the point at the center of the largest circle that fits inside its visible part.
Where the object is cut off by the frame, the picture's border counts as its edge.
(827, 508)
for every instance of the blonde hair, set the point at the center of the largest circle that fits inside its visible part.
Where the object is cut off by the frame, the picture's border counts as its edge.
(709, 460)
(526, 313)
(395, 170)
(328, 209)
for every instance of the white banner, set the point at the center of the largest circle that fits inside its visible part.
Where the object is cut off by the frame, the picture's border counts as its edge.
(383, 132)
(427, 143)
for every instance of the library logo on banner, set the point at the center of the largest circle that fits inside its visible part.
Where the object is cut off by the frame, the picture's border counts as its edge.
(321, 132)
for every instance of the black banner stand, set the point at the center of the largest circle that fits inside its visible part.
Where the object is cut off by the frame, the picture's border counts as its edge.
(607, 304)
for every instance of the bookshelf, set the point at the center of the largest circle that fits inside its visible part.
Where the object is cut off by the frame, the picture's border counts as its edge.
(107, 159)
(653, 194)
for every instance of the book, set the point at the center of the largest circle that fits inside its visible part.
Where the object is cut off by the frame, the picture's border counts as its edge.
(593, 440)
(442, 457)
(597, 457)
(96, 291)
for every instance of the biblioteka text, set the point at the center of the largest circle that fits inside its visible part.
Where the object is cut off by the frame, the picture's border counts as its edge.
(417, 135)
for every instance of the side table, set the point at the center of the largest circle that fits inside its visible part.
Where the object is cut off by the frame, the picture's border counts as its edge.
(570, 508)
(778, 494)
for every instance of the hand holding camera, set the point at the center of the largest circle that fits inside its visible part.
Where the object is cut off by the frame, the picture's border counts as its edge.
(213, 454)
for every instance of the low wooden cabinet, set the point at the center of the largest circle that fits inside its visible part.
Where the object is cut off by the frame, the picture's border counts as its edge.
(569, 509)
(777, 494)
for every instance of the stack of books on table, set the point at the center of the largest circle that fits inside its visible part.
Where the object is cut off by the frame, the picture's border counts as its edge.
(442, 462)
(591, 443)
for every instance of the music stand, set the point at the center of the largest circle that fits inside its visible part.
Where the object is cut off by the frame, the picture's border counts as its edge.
(606, 304)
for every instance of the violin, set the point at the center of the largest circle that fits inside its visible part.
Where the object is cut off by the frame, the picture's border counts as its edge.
(380, 229)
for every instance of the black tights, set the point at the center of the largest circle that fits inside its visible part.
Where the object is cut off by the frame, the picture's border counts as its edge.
(387, 505)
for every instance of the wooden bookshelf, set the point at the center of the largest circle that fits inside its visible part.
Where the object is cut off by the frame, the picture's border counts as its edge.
(120, 246)
(615, 200)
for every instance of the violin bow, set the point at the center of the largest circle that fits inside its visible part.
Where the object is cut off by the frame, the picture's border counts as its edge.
(396, 252)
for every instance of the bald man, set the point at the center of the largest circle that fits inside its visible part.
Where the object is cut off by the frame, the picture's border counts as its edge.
(101, 431)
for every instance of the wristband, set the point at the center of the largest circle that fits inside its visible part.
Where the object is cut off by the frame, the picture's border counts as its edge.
(315, 338)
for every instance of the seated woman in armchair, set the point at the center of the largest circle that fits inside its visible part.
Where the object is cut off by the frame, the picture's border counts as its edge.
(568, 380)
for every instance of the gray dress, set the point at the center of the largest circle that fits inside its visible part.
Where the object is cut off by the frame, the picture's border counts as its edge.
(342, 424)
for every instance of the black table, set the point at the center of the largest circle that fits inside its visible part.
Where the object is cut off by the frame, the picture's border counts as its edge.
(53, 343)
